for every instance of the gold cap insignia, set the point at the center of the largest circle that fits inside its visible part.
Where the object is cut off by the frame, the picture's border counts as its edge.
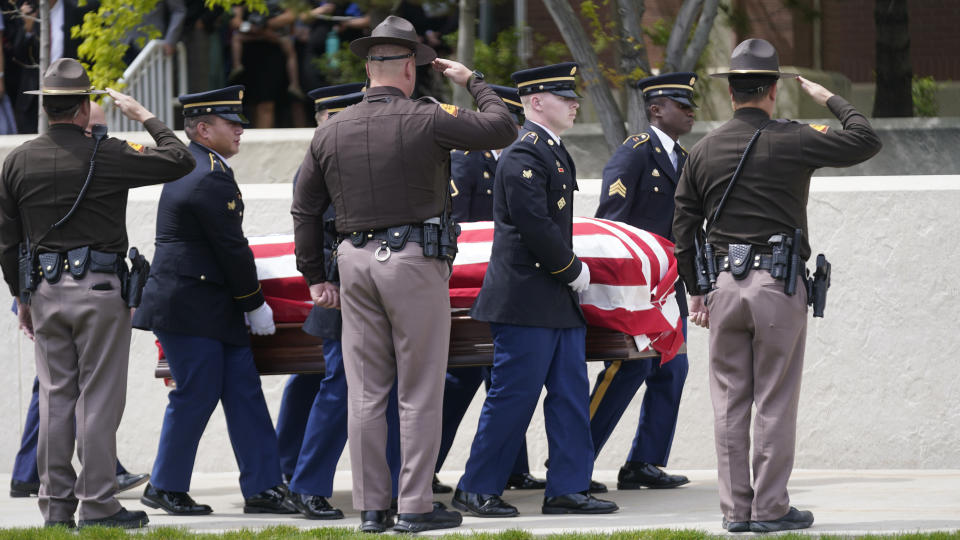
(692, 80)
(561, 203)
(240, 95)
(486, 174)
(617, 188)
(655, 173)
(232, 205)
(527, 173)
(574, 70)
(453, 189)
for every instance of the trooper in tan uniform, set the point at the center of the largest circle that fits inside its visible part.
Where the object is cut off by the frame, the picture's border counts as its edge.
(384, 165)
(757, 330)
(78, 316)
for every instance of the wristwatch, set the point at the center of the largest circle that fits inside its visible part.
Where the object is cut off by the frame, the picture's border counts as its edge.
(477, 75)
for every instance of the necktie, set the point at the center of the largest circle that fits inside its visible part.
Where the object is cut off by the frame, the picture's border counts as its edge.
(675, 157)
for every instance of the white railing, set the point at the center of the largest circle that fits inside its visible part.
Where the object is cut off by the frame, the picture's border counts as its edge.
(149, 80)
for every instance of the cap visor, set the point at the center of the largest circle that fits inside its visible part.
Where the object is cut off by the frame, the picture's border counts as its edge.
(566, 93)
(234, 117)
(686, 101)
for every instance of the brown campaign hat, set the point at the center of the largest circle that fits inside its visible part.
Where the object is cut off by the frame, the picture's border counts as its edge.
(65, 77)
(757, 58)
(394, 31)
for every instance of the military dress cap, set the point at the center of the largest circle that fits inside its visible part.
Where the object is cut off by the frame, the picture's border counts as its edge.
(394, 31)
(755, 58)
(676, 86)
(339, 103)
(226, 103)
(558, 79)
(65, 77)
(321, 96)
(511, 98)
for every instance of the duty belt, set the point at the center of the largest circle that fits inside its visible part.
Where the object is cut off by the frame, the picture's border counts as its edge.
(761, 261)
(395, 237)
(77, 262)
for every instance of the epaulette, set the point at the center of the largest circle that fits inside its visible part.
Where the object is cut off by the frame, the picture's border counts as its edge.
(532, 136)
(637, 140)
(214, 162)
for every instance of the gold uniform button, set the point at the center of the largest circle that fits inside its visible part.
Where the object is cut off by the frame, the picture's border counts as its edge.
(564, 186)
(203, 277)
(486, 174)
(76, 263)
(537, 265)
(656, 189)
(489, 192)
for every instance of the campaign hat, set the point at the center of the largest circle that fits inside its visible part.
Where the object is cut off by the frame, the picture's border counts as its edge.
(65, 77)
(226, 103)
(321, 96)
(754, 57)
(394, 31)
(559, 79)
(677, 86)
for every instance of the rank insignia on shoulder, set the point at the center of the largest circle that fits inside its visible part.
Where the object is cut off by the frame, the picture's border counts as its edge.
(637, 140)
(532, 137)
(617, 188)
(819, 127)
(135, 146)
(655, 173)
(561, 203)
(559, 167)
(452, 110)
(232, 205)
(527, 173)
(487, 155)
(453, 189)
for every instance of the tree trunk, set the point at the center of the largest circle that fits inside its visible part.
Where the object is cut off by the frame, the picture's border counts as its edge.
(633, 60)
(682, 55)
(597, 87)
(466, 36)
(894, 96)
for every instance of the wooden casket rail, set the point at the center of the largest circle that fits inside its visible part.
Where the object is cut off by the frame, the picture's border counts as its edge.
(291, 350)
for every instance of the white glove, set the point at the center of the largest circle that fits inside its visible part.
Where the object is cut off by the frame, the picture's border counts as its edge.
(261, 320)
(580, 284)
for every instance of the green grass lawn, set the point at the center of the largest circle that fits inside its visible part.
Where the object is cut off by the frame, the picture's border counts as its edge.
(333, 533)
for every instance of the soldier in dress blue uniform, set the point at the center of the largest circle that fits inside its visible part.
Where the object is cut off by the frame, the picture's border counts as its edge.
(202, 283)
(530, 298)
(312, 423)
(638, 186)
(471, 188)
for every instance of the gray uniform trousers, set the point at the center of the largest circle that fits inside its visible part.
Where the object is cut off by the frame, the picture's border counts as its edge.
(757, 338)
(82, 349)
(396, 326)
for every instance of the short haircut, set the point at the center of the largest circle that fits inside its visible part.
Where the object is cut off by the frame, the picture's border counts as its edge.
(190, 124)
(390, 67)
(62, 108)
(648, 103)
(747, 88)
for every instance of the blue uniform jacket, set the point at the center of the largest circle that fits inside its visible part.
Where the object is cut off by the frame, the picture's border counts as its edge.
(532, 259)
(471, 184)
(203, 277)
(639, 183)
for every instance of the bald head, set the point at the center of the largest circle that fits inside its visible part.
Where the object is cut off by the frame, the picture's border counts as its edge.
(400, 73)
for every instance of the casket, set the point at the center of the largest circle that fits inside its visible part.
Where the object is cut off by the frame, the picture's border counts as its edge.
(630, 307)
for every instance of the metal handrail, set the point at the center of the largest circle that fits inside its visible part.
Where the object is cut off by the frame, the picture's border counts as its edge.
(149, 80)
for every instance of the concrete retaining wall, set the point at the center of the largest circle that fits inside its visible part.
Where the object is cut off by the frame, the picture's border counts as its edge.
(879, 388)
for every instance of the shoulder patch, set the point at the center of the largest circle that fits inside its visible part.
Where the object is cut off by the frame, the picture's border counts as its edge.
(452, 110)
(531, 136)
(135, 146)
(820, 127)
(637, 140)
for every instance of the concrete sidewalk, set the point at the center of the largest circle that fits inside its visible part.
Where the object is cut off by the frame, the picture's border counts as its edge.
(845, 502)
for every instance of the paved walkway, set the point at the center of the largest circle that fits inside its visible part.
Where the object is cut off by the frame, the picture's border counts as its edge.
(845, 502)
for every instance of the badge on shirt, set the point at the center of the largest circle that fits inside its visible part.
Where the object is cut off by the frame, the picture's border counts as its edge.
(655, 173)
(452, 110)
(617, 188)
(559, 167)
(819, 127)
(232, 205)
(135, 146)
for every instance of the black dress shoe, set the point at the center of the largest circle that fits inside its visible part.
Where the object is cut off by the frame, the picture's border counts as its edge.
(67, 523)
(637, 474)
(24, 489)
(525, 481)
(375, 521)
(794, 519)
(127, 480)
(175, 503)
(124, 519)
(483, 505)
(439, 518)
(440, 488)
(275, 500)
(735, 526)
(315, 507)
(578, 503)
(597, 487)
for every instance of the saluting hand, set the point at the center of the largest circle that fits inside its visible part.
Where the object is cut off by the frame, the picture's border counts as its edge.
(819, 94)
(453, 70)
(325, 295)
(130, 107)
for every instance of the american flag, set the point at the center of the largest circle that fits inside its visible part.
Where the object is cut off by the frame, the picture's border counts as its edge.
(632, 276)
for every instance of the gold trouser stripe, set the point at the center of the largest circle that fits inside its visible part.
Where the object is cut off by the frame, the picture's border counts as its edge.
(248, 295)
(603, 386)
(567, 266)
